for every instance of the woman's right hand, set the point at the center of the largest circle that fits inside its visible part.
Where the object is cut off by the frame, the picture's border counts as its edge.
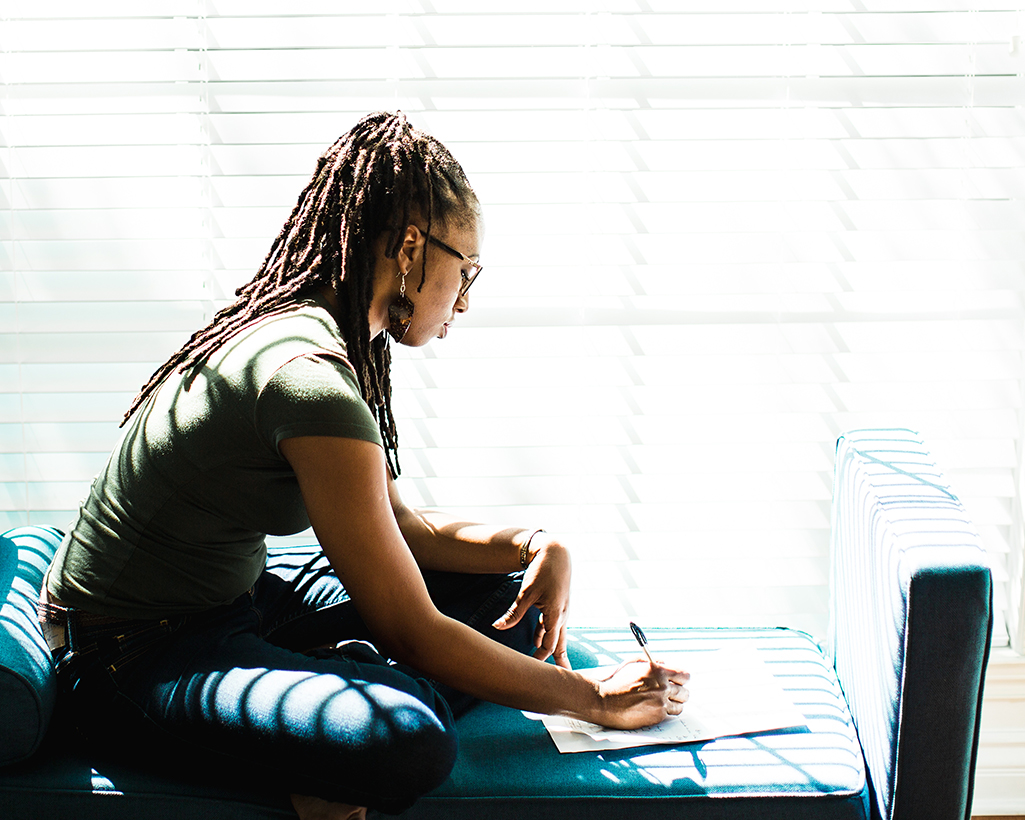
(638, 693)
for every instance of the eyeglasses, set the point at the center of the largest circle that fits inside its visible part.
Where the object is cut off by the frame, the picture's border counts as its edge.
(475, 267)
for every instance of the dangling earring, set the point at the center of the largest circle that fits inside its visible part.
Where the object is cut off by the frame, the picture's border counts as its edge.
(400, 313)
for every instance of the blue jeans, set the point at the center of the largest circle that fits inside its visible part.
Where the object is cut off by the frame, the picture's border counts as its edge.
(260, 682)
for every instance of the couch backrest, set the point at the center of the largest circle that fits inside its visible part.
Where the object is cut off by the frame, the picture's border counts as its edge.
(27, 685)
(910, 623)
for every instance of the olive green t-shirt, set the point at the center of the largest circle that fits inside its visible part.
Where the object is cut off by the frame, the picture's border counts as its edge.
(176, 521)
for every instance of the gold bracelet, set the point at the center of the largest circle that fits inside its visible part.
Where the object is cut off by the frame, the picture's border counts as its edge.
(525, 550)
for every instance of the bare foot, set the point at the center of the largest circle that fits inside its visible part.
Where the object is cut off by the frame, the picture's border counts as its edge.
(313, 808)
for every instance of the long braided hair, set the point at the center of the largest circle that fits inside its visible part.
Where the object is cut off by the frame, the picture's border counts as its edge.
(374, 180)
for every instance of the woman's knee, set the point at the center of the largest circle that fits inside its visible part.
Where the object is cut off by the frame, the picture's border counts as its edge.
(380, 742)
(412, 735)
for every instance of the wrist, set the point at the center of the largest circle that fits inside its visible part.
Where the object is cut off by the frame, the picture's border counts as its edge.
(528, 549)
(581, 697)
(598, 706)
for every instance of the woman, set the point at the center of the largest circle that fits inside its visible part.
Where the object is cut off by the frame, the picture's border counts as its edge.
(331, 670)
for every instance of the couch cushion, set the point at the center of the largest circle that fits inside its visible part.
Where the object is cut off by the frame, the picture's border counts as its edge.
(27, 685)
(508, 766)
(66, 779)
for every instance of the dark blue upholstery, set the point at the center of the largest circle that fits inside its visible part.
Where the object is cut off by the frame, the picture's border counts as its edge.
(910, 619)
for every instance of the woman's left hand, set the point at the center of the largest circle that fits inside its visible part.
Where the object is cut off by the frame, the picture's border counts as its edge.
(545, 585)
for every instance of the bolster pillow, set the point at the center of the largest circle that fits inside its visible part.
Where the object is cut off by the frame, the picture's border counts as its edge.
(27, 684)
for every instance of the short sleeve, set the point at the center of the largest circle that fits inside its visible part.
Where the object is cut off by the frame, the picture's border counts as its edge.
(314, 395)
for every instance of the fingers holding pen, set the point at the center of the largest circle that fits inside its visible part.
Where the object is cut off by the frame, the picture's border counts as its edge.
(642, 693)
(674, 682)
(675, 679)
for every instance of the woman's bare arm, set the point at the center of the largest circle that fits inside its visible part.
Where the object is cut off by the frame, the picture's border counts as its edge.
(441, 541)
(345, 489)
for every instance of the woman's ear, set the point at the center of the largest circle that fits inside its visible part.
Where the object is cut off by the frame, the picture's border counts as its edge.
(413, 242)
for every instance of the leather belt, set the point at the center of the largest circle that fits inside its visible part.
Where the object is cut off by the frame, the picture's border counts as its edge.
(54, 617)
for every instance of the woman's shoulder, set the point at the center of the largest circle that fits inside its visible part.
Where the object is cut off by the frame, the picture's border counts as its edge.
(302, 328)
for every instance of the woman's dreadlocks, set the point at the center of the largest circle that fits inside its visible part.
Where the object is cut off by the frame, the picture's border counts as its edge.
(374, 180)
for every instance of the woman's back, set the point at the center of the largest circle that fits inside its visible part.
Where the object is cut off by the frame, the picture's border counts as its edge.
(176, 521)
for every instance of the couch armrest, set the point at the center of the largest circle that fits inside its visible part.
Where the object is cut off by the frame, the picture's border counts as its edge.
(910, 622)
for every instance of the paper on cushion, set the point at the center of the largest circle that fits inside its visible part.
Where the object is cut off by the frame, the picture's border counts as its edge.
(732, 692)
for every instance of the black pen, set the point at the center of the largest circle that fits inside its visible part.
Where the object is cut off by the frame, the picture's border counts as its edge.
(641, 640)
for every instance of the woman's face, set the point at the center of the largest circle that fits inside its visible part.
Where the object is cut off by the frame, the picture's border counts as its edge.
(438, 303)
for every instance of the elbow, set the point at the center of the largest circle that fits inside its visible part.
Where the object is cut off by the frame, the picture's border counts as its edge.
(415, 641)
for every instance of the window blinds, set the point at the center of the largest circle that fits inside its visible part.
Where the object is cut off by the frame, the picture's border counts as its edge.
(718, 234)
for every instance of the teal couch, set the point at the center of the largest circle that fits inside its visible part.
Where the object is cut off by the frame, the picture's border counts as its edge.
(892, 700)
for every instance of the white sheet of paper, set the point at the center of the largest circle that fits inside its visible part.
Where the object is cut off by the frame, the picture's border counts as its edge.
(732, 692)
